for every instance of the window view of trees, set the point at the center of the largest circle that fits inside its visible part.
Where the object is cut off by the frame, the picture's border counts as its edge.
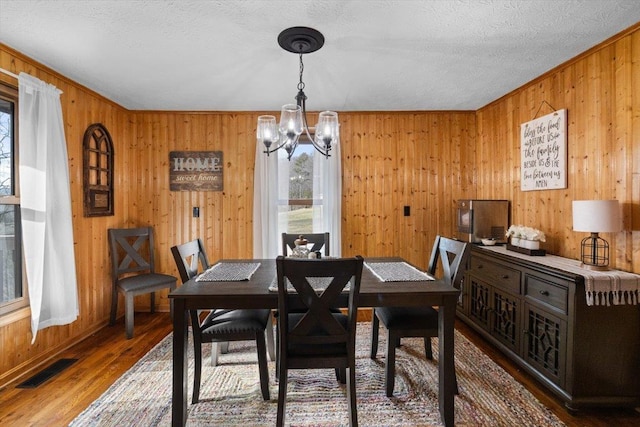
(298, 217)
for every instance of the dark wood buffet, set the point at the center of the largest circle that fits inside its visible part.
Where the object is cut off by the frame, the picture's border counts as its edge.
(588, 355)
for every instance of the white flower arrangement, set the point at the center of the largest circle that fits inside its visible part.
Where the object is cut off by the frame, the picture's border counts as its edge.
(527, 233)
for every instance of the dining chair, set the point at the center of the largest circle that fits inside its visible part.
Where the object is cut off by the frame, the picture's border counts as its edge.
(133, 271)
(422, 322)
(317, 337)
(221, 325)
(318, 241)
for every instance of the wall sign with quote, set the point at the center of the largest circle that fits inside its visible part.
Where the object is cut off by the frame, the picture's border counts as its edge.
(543, 146)
(97, 171)
(195, 171)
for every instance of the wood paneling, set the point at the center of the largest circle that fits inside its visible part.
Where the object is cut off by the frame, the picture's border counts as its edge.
(425, 160)
(601, 93)
(80, 108)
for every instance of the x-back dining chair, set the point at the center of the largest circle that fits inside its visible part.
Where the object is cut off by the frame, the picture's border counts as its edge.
(318, 241)
(133, 271)
(311, 334)
(222, 325)
(404, 322)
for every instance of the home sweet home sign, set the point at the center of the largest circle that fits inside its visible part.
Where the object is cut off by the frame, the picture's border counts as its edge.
(543, 146)
(196, 171)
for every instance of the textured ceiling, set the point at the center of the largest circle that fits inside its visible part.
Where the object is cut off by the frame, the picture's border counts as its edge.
(378, 55)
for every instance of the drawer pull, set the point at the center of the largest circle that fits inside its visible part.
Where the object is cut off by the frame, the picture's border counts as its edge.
(545, 293)
(505, 276)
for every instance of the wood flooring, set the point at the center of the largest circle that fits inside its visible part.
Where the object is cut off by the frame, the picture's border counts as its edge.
(106, 355)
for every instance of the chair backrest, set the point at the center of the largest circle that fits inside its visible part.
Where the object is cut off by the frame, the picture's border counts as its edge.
(131, 251)
(453, 255)
(190, 258)
(317, 241)
(318, 285)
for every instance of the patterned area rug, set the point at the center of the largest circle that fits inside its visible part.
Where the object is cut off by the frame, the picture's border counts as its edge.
(230, 393)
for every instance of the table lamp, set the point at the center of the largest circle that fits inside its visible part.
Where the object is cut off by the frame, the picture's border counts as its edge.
(596, 216)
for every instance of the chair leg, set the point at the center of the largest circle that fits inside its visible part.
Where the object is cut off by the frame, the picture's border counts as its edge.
(390, 364)
(375, 325)
(224, 347)
(351, 394)
(262, 365)
(270, 341)
(128, 315)
(215, 352)
(427, 348)
(153, 301)
(114, 307)
(197, 369)
(282, 396)
(341, 375)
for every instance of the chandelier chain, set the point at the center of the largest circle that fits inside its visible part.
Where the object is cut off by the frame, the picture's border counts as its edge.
(301, 84)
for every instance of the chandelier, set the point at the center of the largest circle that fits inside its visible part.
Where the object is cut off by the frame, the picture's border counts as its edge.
(293, 117)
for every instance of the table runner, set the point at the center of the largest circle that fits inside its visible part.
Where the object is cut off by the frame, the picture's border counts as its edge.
(319, 284)
(396, 272)
(611, 287)
(229, 272)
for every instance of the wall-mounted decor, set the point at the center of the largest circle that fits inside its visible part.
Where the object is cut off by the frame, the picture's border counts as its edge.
(195, 171)
(543, 146)
(97, 171)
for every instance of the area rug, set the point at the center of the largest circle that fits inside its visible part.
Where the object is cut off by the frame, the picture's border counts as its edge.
(230, 393)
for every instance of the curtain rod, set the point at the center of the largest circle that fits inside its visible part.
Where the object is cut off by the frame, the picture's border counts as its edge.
(8, 73)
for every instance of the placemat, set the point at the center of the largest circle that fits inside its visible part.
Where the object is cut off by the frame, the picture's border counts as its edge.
(397, 271)
(229, 272)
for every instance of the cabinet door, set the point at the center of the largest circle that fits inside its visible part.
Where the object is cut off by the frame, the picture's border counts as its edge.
(479, 301)
(506, 319)
(545, 337)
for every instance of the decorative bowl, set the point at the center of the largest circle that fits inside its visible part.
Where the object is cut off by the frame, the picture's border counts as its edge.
(488, 242)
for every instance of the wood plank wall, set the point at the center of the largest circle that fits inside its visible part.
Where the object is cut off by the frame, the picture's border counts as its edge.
(425, 160)
(601, 92)
(80, 108)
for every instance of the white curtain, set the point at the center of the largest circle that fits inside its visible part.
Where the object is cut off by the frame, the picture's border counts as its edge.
(330, 174)
(271, 175)
(266, 241)
(45, 204)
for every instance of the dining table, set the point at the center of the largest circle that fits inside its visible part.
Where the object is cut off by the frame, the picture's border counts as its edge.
(257, 291)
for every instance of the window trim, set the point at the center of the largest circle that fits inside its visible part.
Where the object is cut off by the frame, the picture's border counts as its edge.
(9, 310)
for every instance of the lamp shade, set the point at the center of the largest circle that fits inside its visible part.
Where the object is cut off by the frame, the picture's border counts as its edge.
(596, 216)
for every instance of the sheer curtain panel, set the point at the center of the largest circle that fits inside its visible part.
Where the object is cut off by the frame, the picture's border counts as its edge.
(266, 240)
(331, 181)
(47, 230)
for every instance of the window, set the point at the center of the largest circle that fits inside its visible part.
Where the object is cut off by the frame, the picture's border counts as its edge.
(13, 292)
(299, 196)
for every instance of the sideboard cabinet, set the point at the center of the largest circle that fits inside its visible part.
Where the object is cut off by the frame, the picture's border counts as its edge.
(538, 316)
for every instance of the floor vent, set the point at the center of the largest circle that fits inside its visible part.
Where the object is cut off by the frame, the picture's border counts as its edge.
(47, 373)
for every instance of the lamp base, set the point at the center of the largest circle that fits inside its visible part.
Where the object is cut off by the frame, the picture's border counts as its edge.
(595, 267)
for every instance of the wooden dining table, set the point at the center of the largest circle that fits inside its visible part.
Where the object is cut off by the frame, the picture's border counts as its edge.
(255, 293)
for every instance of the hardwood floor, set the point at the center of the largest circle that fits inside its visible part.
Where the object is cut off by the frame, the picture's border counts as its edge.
(106, 355)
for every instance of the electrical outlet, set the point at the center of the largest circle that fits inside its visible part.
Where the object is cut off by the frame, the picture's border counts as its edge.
(196, 212)
(407, 210)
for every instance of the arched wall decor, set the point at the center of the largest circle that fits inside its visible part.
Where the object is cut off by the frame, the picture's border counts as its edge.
(98, 171)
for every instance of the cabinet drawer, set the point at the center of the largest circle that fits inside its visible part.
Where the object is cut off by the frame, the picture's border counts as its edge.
(546, 292)
(496, 274)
